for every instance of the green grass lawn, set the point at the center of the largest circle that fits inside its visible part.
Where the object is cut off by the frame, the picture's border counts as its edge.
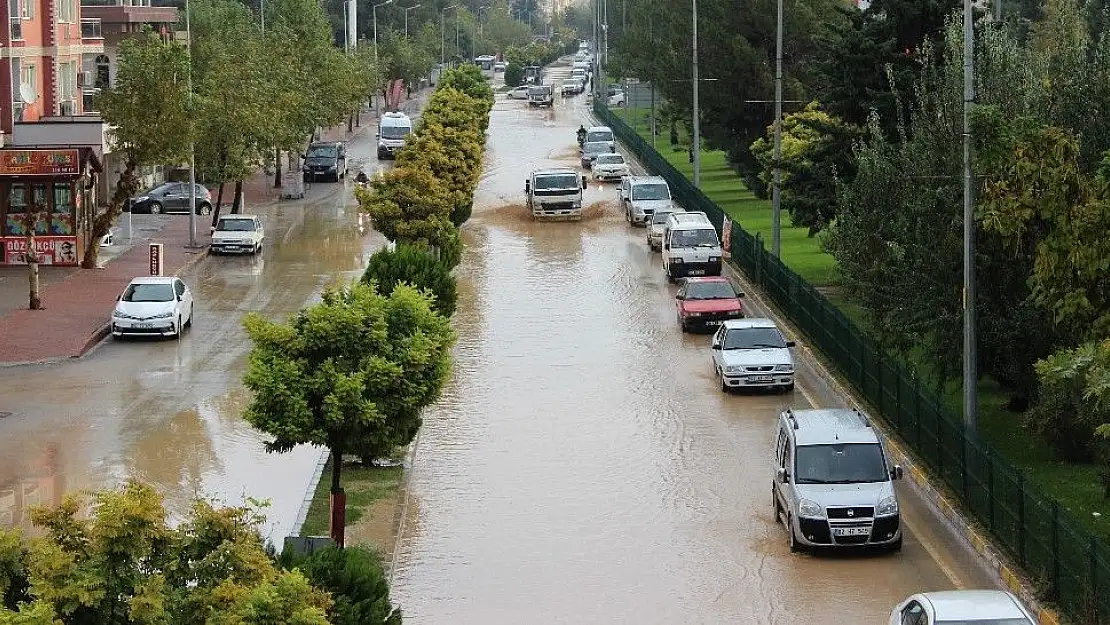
(720, 182)
(364, 486)
(1076, 486)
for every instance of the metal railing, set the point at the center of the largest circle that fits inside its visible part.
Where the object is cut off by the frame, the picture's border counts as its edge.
(90, 28)
(1048, 542)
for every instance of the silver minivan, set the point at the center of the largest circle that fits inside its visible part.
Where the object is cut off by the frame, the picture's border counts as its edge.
(833, 484)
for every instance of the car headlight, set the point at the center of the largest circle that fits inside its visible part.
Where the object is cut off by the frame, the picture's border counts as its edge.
(786, 368)
(164, 315)
(810, 509)
(694, 314)
(142, 198)
(714, 259)
(733, 369)
(676, 260)
(122, 315)
(887, 507)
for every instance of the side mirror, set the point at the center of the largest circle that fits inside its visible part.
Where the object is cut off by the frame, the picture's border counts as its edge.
(781, 476)
(666, 246)
(304, 156)
(715, 345)
(679, 296)
(896, 473)
(211, 229)
(585, 182)
(527, 186)
(790, 343)
(119, 298)
(741, 295)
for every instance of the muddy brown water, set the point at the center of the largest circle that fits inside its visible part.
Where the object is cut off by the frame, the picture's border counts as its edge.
(583, 466)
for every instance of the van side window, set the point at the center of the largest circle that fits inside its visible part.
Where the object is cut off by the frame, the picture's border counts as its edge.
(780, 445)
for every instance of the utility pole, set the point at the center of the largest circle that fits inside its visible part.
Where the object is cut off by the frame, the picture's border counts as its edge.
(443, 35)
(192, 144)
(415, 6)
(695, 146)
(971, 375)
(776, 193)
(375, 16)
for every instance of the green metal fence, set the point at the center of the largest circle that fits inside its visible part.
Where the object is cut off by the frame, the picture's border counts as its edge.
(1047, 541)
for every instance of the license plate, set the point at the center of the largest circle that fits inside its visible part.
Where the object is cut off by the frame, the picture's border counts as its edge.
(144, 325)
(759, 378)
(696, 272)
(713, 323)
(851, 531)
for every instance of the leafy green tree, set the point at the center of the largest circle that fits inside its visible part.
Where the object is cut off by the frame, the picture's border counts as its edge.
(404, 59)
(149, 119)
(13, 571)
(409, 205)
(514, 74)
(469, 80)
(356, 580)
(351, 373)
(415, 267)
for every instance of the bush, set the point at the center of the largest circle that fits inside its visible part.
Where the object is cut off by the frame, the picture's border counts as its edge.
(415, 266)
(356, 580)
(514, 74)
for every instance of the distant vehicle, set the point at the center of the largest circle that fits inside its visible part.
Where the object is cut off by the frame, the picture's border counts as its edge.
(642, 196)
(601, 133)
(657, 224)
(593, 149)
(172, 197)
(154, 305)
(569, 88)
(555, 193)
(690, 246)
(238, 234)
(393, 130)
(610, 167)
(975, 607)
(499, 66)
(617, 99)
(612, 90)
(324, 160)
(533, 74)
(579, 74)
(486, 62)
(707, 303)
(518, 93)
(541, 95)
(752, 353)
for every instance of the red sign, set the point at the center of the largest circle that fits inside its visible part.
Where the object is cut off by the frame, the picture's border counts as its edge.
(50, 250)
(155, 259)
(726, 238)
(39, 162)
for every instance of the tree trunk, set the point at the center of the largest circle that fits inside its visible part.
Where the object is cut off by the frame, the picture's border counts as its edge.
(219, 205)
(351, 122)
(35, 298)
(237, 203)
(277, 174)
(126, 188)
(338, 499)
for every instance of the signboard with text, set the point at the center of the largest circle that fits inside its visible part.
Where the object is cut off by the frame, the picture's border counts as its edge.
(726, 238)
(50, 250)
(155, 259)
(39, 162)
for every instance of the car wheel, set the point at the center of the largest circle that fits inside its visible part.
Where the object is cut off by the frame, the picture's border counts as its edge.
(178, 328)
(775, 504)
(189, 323)
(205, 209)
(788, 388)
(682, 324)
(792, 538)
(155, 208)
(724, 385)
(896, 546)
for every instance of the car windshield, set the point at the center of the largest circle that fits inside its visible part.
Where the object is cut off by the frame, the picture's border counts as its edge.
(842, 463)
(710, 290)
(558, 181)
(395, 132)
(654, 191)
(991, 621)
(236, 225)
(148, 293)
(323, 151)
(599, 135)
(702, 237)
(753, 338)
(609, 159)
(596, 148)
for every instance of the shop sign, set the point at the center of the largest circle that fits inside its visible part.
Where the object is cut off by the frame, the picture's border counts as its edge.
(51, 250)
(39, 162)
(155, 257)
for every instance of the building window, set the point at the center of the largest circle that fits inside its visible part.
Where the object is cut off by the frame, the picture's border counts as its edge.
(67, 10)
(15, 24)
(67, 82)
(103, 72)
(27, 9)
(28, 81)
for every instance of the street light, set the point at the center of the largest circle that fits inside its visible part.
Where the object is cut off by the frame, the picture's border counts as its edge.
(415, 6)
(776, 191)
(474, 52)
(695, 147)
(443, 35)
(971, 372)
(192, 145)
(375, 12)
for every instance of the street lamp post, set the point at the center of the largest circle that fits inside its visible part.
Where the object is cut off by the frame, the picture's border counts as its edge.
(480, 30)
(776, 191)
(192, 144)
(695, 147)
(971, 374)
(375, 12)
(407, 9)
(443, 35)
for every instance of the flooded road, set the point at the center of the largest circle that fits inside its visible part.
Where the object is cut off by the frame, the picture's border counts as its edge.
(169, 411)
(583, 466)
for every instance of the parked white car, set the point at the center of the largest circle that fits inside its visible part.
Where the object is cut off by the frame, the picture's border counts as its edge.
(981, 607)
(153, 306)
(617, 99)
(752, 353)
(518, 93)
(610, 167)
(239, 234)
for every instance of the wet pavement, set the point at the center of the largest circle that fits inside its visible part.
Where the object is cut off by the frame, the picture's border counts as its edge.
(169, 411)
(583, 466)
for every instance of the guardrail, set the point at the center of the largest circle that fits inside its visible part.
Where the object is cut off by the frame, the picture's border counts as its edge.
(1043, 538)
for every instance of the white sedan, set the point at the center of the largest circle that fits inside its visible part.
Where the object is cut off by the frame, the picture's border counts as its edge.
(981, 607)
(610, 167)
(518, 93)
(153, 306)
(752, 353)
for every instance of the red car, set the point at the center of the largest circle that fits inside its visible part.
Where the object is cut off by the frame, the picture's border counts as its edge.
(707, 302)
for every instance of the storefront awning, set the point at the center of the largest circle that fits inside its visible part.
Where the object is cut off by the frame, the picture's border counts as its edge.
(49, 162)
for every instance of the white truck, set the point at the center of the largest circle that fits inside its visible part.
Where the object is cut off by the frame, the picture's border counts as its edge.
(541, 95)
(555, 194)
(241, 234)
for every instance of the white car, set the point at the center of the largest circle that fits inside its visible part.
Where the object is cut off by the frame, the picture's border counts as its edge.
(617, 99)
(154, 305)
(752, 353)
(238, 234)
(518, 93)
(981, 607)
(656, 226)
(499, 66)
(610, 167)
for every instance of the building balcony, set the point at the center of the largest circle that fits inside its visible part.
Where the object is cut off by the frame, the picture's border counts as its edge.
(123, 18)
(90, 28)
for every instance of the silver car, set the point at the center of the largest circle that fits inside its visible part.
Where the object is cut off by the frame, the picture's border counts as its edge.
(752, 353)
(657, 224)
(592, 149)
(610, 167)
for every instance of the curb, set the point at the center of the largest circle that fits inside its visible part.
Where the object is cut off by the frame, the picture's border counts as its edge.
(313, 483)
(937, 497)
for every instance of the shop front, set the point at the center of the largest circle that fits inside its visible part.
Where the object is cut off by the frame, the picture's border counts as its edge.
(47, 200)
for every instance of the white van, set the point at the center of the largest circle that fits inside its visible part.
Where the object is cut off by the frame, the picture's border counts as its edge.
(690, 246)
(392, 131)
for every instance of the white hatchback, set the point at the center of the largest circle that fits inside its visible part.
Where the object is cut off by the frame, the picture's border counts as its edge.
(610, 167)
(153, 306)
(752, 353)
(981, 607)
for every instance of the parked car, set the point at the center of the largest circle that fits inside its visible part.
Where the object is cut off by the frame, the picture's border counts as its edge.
(325, 160)
(617, 99)
(707, 303)
(518, 93)
(592, 149)
(172, 197)
(239, 234)
(153, 306)
(610, 167)
(752, 353)
(499, 66)
(981, 607)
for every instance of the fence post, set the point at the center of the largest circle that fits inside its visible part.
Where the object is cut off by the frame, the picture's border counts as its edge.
(963, 463)
(758, 257)
(1055, 550)
(990, 489)
(1021, 518)
(1092, 550)
(916, 412)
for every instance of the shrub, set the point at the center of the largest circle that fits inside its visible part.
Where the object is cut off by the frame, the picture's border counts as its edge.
(514, 74)
(356, 580)
(417, 267)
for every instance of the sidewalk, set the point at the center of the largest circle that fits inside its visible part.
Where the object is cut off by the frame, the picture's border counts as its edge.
(77, 308)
